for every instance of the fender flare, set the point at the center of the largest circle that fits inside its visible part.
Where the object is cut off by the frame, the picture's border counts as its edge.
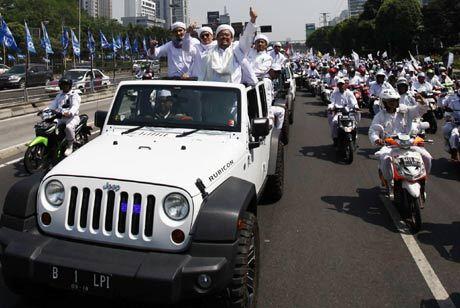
(221, 210)
(19, 208)
(38, 140)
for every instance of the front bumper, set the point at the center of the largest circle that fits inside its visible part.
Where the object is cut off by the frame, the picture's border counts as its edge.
(31, 258)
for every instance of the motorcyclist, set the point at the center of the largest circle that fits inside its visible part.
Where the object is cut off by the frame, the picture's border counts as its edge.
(395, 119)
(421, 85)
(450, 129)
(406, 98)
(433, 79)
(331, 79)
(379, 84)
(312, 72)
(67, 102)
(341, 97)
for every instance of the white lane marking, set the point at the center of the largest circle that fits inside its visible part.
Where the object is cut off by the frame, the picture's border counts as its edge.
(10, 162)
(20, 158)
(437, 289)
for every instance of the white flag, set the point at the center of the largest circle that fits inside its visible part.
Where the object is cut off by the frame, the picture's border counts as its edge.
(450, 59)
(415, 63)
(384, 55)
(427, 59)
(369, 56)
(355, 58)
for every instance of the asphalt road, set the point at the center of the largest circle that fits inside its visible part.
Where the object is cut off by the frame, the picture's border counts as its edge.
(330, 241)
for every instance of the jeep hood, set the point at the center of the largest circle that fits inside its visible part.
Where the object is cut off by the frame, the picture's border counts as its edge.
(164, 160)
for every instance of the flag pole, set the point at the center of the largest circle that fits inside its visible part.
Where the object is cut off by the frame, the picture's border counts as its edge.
(26, 98)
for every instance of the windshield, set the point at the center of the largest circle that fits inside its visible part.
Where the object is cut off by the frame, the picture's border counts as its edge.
(74, 75)
(177, 107)
(20, 69)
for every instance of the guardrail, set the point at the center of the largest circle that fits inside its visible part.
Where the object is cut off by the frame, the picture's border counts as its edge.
(34, 95)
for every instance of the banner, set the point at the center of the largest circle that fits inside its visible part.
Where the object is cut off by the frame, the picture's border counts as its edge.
(369, 56)
(46, 41)
(127, 43)
(91, 43)
(64, 41)
(7, 38)
(104, 42)
(355, 58)
(29, 41)
(75, 44)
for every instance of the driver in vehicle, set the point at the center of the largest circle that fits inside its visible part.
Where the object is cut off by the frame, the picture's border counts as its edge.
(163, 109)
(67, 102)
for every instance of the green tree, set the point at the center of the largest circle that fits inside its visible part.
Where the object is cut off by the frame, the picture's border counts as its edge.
(397, 23)
(320, 40)
(371, 8)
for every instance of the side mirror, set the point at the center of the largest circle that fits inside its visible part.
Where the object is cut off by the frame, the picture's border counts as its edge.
(260, 127)
(99, 118)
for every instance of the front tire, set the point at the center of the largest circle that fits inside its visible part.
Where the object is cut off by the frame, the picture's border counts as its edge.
(285, 131)
(243, 290)
(348, 154)
(35, 158)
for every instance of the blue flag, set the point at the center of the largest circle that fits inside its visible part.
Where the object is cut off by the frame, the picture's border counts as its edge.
(11, 58)
(127, 43)
(29, 41)
(91, 43)
(46, 41)
(64, 41)
(144, 43)
(119, 42)
(135, 46)
(75, 44)
(7, 37)
(114, 45)
(104, 43)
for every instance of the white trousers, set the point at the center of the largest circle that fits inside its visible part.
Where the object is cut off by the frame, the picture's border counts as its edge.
(70, 125)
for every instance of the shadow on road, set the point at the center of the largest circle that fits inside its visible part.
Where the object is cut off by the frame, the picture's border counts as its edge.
(445, 169)
(368, 153)
(323, 152)
(432, 303)
(20, 171)
(321, 114)
(445, 238)
(367, 205)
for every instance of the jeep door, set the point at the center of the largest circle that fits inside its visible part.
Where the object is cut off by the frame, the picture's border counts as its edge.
(257, 169)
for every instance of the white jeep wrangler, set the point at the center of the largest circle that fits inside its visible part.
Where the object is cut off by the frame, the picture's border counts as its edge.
(161, 207)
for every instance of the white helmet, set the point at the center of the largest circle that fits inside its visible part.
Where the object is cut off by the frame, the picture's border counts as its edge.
(389, 95)
(381, 72)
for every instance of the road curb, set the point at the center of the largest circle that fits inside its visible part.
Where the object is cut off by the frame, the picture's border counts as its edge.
(29, 109)
(13, 150)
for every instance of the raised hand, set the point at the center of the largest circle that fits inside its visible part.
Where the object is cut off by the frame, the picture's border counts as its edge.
(253, 15)
(192, 27)
(153, 44)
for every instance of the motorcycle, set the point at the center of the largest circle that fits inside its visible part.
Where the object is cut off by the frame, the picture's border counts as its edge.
(347, 133)
(409, 176)
(313, 84)
(430, 115)
(48, 147)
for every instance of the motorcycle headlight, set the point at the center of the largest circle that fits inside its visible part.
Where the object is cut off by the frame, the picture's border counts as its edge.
(54, 192)
(176, 206)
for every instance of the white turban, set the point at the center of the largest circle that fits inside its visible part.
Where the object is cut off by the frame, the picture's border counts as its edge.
(261, 37)
(178, 25)
(204, 29)
(225, 27)
(277, 44)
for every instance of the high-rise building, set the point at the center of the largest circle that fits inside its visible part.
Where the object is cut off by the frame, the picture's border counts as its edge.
(97, 8)
(355, 7)
(179, 11)
(141, 12)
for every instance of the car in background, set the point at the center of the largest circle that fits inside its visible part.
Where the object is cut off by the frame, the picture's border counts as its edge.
(154, 64)
(3, 68)
(15, 77)
(81, 78)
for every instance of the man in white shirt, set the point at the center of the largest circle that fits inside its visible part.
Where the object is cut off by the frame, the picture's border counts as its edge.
(179, 60)
(227, 62)
(277, 56)
(421, 85)
(340, 98)
(376, 87)
(260, 60)
(198, 48)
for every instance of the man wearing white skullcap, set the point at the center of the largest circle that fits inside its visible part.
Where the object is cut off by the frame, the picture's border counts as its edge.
(276, 54)
(179, 60)
(259, 58)
(199, 49)
(226, 62)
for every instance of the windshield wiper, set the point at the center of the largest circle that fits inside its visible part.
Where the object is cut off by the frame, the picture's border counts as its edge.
(185, 134)
(131, 130)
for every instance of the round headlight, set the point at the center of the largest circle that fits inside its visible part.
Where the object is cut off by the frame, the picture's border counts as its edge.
(176, 206)
(54, 192)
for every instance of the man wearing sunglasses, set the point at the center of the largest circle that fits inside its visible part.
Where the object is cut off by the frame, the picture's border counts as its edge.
(198, 49)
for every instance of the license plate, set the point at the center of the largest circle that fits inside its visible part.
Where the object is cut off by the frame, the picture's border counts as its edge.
(410, 162)
(80, 281)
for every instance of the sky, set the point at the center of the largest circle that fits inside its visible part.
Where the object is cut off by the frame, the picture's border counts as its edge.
(287, 17)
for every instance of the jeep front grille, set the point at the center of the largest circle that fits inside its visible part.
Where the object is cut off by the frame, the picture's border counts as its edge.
(127, 214)
(87, 208)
